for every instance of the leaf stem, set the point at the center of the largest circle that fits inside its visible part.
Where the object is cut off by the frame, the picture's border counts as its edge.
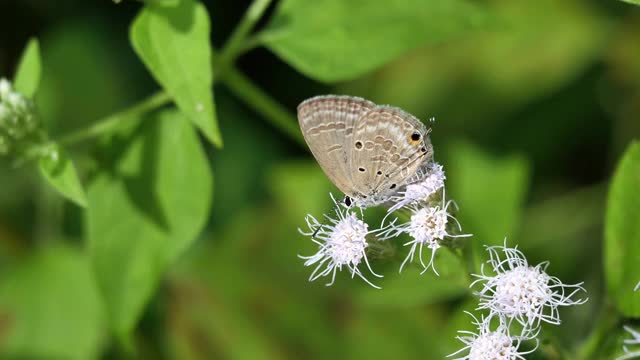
(250, 43)
(112, 121)
(236, 43)
(262, 103)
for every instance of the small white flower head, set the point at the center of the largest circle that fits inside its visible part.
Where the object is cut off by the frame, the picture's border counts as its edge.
(20, 126)
(489, 344)
(342, 242)
(431, 180)
(5, 88)
(428, 227)
(517, 291)
(635, 340)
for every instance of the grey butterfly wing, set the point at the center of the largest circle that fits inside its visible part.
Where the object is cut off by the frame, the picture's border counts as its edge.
(327, 124)
(388, 147)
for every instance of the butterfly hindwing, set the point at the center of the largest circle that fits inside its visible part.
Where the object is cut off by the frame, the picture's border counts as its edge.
(394, 145)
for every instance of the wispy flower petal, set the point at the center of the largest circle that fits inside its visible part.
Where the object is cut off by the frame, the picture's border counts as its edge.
(341, 242)
(517, 291)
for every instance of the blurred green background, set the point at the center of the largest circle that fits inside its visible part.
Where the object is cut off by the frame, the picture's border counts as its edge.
(532, 113)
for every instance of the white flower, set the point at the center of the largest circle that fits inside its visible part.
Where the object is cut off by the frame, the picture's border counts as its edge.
(635, 340)
(489, 344)
(520, 292)
(341, 243)
(5, 88)
(428, 226)
(431, 181)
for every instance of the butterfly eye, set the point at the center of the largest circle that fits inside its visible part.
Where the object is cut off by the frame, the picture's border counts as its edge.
(347, 201)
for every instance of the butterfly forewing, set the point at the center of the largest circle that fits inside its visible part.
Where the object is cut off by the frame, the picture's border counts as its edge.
(327, 124)
(368, 151)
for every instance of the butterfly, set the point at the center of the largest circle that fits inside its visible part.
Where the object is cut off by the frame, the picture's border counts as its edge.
(368, 151)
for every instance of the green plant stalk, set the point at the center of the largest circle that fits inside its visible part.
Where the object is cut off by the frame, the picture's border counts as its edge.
(237, 82)
(236, 43)
(262, 103)
(113, 121)
(250, 43)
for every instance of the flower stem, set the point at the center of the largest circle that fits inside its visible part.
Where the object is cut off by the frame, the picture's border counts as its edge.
(236, 43)
(112, 121)
(262, 103)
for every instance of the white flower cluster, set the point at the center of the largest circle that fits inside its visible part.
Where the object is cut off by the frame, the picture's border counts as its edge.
(512, 290)
(515, 294)
(18, 120)
(487, 344)
(343, 241)
(428, 225)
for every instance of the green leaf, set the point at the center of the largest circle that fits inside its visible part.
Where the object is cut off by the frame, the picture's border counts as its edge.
(244, 164)
(50, 308)
(565, 37)
(407, 333)
(490, 192)
(219, 311)
(622, 233)
(173, 42)
(58, 169)
(27, 76)
(146, 209)
(410, 288)
(564, 223)
(335, 40)
(634, 2)
(290, 184)
(163, 2)
(72, 94)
